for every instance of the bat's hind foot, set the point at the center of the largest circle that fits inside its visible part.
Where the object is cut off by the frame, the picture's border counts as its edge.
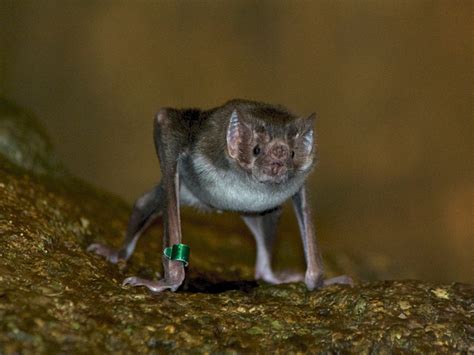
(312, 281)
(339, 280)
(280, 277)
(153, 286)
(316, 280)
(112, 255)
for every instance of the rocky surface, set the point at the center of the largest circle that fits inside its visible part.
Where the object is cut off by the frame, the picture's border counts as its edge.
(54, 296)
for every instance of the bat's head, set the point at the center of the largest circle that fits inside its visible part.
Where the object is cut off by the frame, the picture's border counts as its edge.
(270, 144)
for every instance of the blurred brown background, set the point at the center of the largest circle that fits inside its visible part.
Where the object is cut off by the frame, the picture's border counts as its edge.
(390, 80)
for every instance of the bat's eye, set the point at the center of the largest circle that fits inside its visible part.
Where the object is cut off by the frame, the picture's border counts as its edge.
(292, 154)
(256, 150)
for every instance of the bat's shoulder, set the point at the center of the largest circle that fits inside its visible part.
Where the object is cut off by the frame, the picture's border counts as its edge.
(180, 119)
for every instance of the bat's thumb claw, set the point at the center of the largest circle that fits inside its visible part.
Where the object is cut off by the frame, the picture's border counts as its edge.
(92, 247)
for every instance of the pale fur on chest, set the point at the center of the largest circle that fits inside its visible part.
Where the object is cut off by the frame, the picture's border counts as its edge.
(225, 190)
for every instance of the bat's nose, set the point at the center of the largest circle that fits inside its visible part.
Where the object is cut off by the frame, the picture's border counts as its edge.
(277, 168)
(280, 151)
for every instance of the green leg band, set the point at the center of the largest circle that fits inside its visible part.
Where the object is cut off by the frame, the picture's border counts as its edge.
(178, 252)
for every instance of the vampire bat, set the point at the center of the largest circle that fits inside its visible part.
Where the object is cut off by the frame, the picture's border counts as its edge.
(246, 157)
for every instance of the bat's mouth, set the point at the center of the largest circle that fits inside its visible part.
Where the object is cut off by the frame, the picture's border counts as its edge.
(275, 179)
(274, 172)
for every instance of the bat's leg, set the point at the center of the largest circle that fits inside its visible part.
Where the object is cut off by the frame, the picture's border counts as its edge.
(264, 228)
(314, 277)
(168, 145)
(145, 211)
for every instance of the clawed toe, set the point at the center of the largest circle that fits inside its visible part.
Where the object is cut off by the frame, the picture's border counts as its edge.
(132, 281)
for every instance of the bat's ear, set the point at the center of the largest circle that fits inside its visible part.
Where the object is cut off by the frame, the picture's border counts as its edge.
(307, 132)
(309, 121)
(237, 133)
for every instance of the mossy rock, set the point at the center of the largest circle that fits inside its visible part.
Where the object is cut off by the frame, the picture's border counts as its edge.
(56, 297)
(24, 142)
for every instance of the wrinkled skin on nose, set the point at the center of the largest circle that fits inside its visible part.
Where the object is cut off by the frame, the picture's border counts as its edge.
(279, 151)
